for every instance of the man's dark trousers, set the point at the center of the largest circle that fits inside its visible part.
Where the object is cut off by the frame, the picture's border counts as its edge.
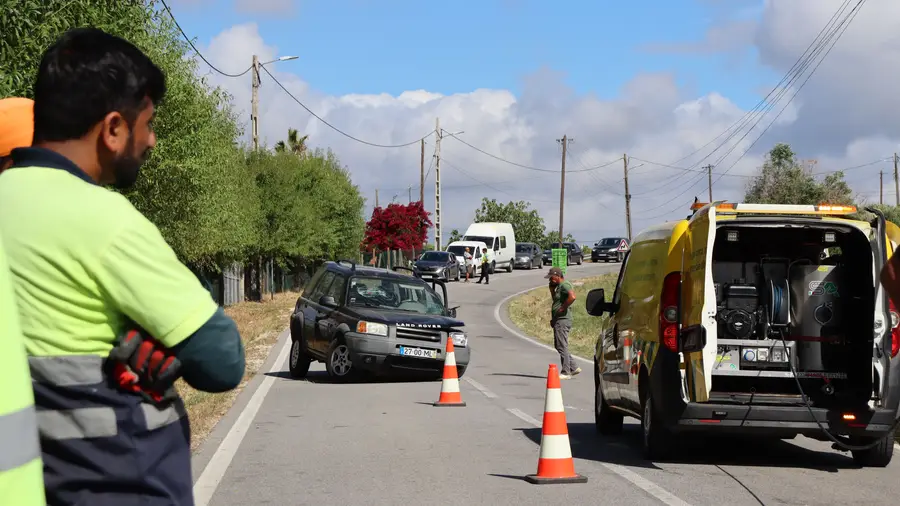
(561, 328)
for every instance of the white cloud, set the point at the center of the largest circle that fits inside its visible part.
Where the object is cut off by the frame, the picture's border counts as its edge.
(844, 117)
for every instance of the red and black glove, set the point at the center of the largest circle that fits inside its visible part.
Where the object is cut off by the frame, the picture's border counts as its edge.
(144, 366)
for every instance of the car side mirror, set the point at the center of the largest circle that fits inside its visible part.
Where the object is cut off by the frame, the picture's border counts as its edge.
(328, 301)
(595, 303)
(452, 311)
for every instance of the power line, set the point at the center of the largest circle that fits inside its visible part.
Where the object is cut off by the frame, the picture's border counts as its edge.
(195, 48)
(338, 130)
(482, 183)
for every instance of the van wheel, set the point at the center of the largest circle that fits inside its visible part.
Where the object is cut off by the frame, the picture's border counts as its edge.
(606, 421)
(509, 266)
(656, 439)
(879, 455)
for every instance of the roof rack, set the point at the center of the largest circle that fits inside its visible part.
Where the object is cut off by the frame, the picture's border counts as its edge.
(723, 207)
(351, 262)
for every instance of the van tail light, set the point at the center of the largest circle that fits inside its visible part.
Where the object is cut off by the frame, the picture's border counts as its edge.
(895, 329)
(668, 311)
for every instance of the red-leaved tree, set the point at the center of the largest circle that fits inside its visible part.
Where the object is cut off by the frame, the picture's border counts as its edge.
(397, 226)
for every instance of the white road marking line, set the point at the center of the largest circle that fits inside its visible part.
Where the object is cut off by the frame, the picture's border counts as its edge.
(215, 470)
(525, 416)
(637, 480)
(481, 388)
(520, 335)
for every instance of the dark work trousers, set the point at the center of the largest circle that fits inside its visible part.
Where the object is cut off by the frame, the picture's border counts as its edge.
(485, 274)
(561, 330)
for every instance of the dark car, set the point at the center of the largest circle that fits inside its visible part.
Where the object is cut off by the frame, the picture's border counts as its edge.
(576, 256)
(437, 265)
(610, 248)
(528, 255)
(355, 318)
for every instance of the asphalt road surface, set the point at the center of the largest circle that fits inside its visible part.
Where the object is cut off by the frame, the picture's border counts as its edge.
(312, 442)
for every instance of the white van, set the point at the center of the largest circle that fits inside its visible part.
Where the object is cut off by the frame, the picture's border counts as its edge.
(476, 248)
(500, 237)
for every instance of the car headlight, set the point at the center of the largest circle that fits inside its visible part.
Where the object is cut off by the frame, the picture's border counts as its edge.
(459, 339)
(373, 328)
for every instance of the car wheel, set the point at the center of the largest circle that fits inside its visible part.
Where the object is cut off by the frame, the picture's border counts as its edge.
(606, 421)
(460, 370)
(879, 455)
(580, 259)
(299, 360)
(530, 265)
(619, 257)
(493, 268)
(656, 440)
(458, 274)
(337, 360)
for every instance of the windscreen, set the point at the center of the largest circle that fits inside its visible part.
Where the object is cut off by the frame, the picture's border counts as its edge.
(609, 241)
(435, 256)
(394, 295)
(489, 241)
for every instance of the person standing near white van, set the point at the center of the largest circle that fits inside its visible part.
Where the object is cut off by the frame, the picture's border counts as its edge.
(485, 267)
(469, 263)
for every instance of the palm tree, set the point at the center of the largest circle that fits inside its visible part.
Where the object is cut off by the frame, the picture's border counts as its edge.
(295, 144)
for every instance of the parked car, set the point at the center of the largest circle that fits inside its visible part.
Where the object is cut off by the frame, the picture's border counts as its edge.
(610, 248)
(356, 318)
(438, 265)
(576, 256)
(528, 255)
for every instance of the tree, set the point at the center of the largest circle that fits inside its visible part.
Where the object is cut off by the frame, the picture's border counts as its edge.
(455, 235)
(552, 237)
(295, 144)
(782, 180)
(526, 222)
(397, 226)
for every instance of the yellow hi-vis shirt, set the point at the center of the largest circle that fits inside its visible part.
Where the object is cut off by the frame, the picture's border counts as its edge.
(84, 261)
(21, 472)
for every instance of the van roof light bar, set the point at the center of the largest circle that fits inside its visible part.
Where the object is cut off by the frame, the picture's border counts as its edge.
(821, 209)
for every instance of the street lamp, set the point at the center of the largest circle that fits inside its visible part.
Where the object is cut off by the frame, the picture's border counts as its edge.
(254, 98)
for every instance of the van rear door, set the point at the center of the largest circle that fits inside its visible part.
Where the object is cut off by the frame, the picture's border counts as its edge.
(887, 238)
(698, 301)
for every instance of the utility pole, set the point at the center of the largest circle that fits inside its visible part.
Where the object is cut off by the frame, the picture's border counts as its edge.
(896, 183)
(709, 178)
(437, 184)
(409, 198)
(881, 187)
(376, 197)
(562, 185)
(422, 175)
(254, 104)
(627, 198)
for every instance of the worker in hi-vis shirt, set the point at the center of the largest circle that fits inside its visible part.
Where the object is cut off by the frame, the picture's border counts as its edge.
(111, 317)
(21, 472)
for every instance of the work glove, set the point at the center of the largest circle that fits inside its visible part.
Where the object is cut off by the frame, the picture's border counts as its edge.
(144, 366)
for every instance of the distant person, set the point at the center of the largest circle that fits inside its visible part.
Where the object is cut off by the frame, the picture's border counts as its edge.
(470, 264)
(88, 269)
(563, 295)
(21, 470)
(485, 268)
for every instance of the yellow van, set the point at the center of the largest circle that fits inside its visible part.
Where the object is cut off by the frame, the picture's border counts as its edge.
(754, 319)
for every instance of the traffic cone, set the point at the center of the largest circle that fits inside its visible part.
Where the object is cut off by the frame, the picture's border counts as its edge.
(450, 395)
(555, 464)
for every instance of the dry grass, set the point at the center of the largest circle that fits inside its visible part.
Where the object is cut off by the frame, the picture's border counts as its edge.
(531, 313)
(260, 323)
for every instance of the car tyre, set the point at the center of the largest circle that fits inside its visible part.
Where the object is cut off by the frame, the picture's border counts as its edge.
(299, 360)
(458, 275)
(530, 265)
(460, 370)
(606, 421)
(656, 440)
(620, 256)
(879, 455)
(338, 362)
(580, 259)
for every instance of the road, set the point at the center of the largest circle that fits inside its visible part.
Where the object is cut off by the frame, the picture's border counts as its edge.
(312, 442)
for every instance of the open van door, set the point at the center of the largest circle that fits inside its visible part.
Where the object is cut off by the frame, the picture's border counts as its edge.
(698, 302)
(887, 237)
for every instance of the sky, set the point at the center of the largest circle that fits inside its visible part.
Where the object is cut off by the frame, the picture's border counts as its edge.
(661, 81)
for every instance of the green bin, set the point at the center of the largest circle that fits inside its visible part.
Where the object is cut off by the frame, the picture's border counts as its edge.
(560, 258)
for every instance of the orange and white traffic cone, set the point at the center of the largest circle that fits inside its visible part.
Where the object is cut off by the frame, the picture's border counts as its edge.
(555, 464)
(450, 395)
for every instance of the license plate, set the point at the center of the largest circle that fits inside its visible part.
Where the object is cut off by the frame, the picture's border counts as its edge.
(417, 352)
